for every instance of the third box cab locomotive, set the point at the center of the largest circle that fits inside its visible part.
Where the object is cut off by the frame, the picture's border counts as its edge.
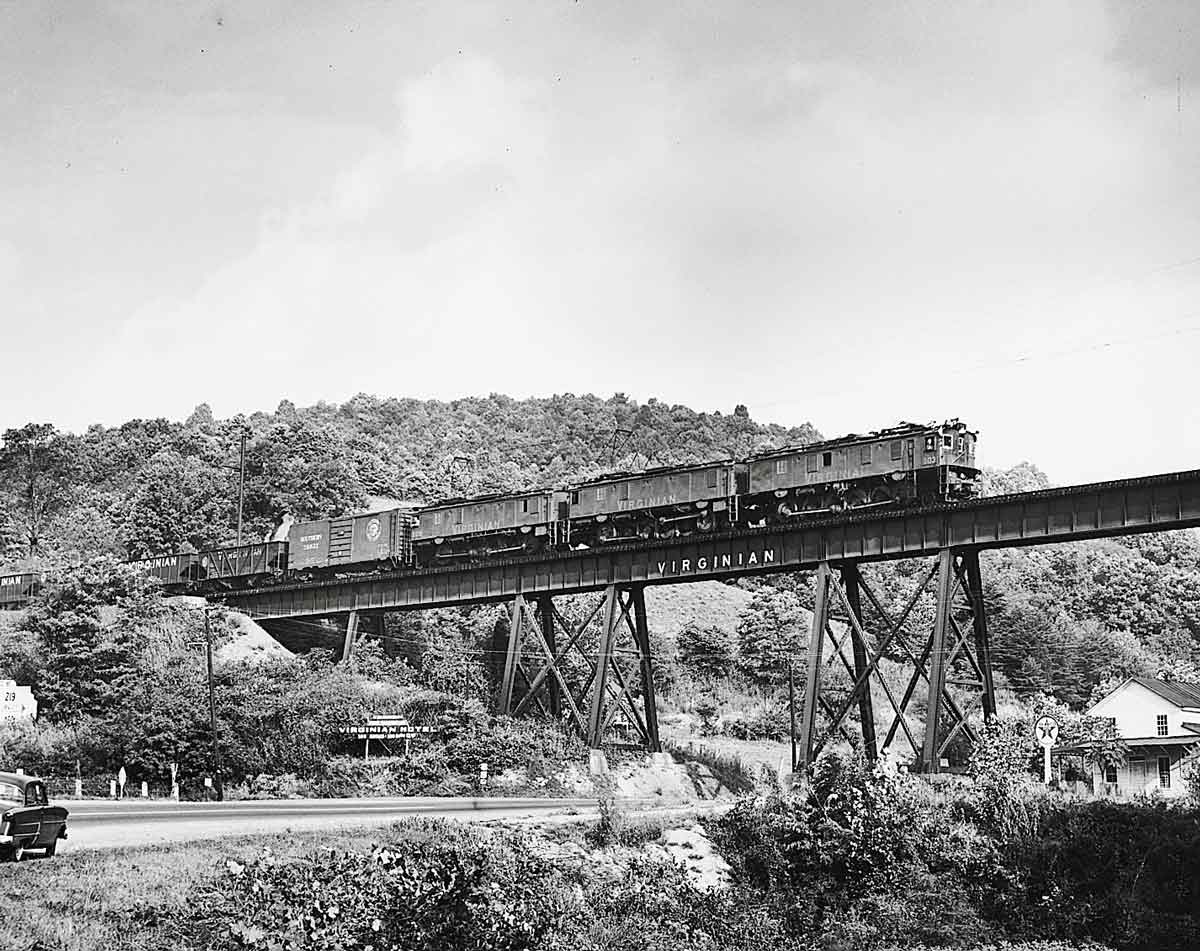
(908, 464)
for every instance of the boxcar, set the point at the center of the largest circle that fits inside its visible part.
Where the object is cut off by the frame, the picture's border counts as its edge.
(658, 502)
(353, 539)
(909, 462)
(489, 525)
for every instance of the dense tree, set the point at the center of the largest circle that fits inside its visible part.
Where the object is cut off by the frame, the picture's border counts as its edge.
(705, 650)
(36, 465)
(772, 634)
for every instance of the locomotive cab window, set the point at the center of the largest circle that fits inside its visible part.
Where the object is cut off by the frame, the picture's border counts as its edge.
(600, 494)
(827, 459)
(574, 498)
(930, 443)
(623, 494)
(897, 450)
(864, 455)
(781, 467)
(947, 441)
(712, 478)
(458, 516)
(814, 463)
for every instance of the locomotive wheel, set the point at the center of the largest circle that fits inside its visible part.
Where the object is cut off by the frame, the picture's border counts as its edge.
(856, 498)
(606, 531)
(705, 523)
(881, 495)
(810, 503)
(833, 503)
(646, 530)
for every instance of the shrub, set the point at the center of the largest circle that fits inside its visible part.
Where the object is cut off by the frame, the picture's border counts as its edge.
(437, 887)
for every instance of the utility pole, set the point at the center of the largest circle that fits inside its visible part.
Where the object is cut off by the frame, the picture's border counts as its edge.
(241, 485)
(212, 709)
(792, 707)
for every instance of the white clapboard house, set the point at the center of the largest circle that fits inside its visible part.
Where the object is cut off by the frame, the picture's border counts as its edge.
(1159, 722)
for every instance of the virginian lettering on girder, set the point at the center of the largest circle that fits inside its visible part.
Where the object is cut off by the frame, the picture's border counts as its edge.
(715, 562)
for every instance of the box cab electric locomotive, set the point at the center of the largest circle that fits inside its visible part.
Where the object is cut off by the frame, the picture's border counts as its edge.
(489, 526)
(658, 503)
(905, 464)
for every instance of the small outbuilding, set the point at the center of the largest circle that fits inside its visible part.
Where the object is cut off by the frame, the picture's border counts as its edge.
(1159, 723)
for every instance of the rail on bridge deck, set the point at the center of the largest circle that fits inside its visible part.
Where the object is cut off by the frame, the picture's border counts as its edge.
(941, 632)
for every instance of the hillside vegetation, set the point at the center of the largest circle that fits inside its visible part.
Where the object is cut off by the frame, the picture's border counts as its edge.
(1065, 620)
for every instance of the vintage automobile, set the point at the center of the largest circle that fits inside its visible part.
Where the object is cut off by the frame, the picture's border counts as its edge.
(28, 821)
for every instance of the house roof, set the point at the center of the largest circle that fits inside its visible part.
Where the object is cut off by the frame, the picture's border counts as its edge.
(1173, 691)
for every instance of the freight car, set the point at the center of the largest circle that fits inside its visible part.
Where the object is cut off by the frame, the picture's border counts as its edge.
(369, 540)
(906, 464)
(490, 526)
(658, 503)
(235, 566)
(16, 589)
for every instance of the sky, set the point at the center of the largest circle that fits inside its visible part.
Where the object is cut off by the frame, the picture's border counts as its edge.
(849, 213)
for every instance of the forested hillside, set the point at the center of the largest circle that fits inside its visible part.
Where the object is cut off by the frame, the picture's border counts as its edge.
(155, 485)
(1064, 619)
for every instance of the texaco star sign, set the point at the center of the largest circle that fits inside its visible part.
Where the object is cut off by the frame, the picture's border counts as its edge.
(1046, 730)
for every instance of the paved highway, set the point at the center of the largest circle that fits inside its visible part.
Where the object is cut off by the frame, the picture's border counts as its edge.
(107, 825)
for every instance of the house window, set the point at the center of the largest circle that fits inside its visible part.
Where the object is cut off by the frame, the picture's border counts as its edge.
(1110, 774)
(781, 467)
(897, 450)
(1160, 725)
(1164, 772)
(813, 463)
(864, 455)
(827, 459)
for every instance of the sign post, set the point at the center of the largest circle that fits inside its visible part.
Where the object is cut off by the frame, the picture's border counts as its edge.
(1045, 728)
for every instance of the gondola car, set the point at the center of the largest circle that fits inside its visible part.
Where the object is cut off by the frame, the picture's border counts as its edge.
(657, 503)
(906, 464)
(489, 526)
